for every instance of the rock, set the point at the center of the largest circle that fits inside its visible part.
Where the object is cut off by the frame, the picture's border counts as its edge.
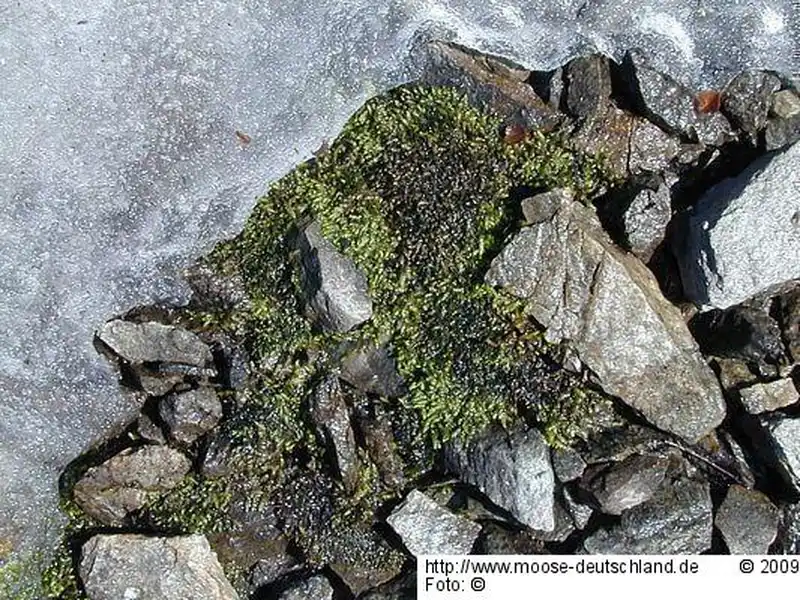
(148, 430)
(564, 524)
(513, 471)
(336, 291)
(402, 588)
(747, 520)
(583, 288)
(623, 485)
(677, 520)
(765, 397)
(331, 417)
(216, 292)
(608, 133)
(587, 85)
(580, 513)
(497, 539)
(742, 236)
(494, 84)
(110, 491)
(117, 567)
(788, 541)
(373, 370)
(785, 104)
(549, 86)
(734, 373)
(783, 435)
(312, 588)
(789, 311)
(427, 528)
(670, 105)
(267, 571)
(139, 343)
(651, 148)
(379, 442)
(783, 126)
(568, 465)
(191, 414)
(746, 101)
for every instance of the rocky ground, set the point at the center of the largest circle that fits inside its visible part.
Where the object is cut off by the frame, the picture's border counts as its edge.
(505, 312)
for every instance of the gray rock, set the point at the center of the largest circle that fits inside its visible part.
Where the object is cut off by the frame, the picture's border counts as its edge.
(587, 85)
(608, 133)
(513, 471)
(149, 431)
(677, 520)
(651, 148)
(788, 541)
(645, 221)
(267, 570)
(743, 236)
(623, 485)
(670, 105)
(336, 291)
(747, 520)
(427, 528)
(583, 288)
(783, 126)
(312, 588)
(746, 101)
(110, 491)
(549, 86)
(373, 370)
(785, 104)
(580, 513)
(139, 343)
(783, 435)
(568, 465)
(497, 539)
(191, 414)
(789, 304)
(492, 83)
(765, 397)
(564, 523)
(402, 588)
(331, 417)
(117, 567)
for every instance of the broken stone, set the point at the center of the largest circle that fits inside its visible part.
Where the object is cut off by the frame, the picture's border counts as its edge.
(651, 148)
(427, 528)
(373, 370)
(191, 414)
(583, 288)
(783, 436)
(312, 588)
(623, 485)
(783, 126)
(742, 236)
(607, 133)
(549, 86)
(331, 417)
(646, 221)
(149, 431)
(580, 513)
(587, 85)
(747, 520)
(139, 343)
(402, 588)
(112, 490)
(117, 567)
(746, 101)
(498, 539)
(568, 465)
(677, 520)
(336, 291)
(765, 397)
(513, 471)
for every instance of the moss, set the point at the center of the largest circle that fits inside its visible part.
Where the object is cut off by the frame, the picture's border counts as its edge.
(575, 416)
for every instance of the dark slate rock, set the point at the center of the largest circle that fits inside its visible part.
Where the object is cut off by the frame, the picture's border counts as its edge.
(567, 463)
(267, 570)
(783, 435)
(513, 471)
(115, 567)
(427, 528)
(316, 587)
(747, 520)
(373, 370)
(117, 487)
(742, 236)
(670, 105)
(783, 126)
(746, 101)
(587, 85)
(191, 414)
(492, 83)
(623, 485)
(336, 291)
(331, 417)
(583, 288)
(789, 311)
(139, 343)
(677, 520)
(217, 454)
(766, 397)
(380, 444)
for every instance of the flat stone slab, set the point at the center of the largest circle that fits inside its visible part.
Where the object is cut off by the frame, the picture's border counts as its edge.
(140, 343)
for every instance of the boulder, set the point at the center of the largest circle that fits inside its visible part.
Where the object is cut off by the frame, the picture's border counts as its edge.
(117, 567)
(122, 484)
(513, 471)
(742, 236)
(747, 520)
(766, 397)
(427, 528)
(336, 292)
(584, 289)
(191, 414)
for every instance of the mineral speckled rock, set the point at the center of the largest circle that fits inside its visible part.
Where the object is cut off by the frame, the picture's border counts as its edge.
(645, 221)
(783, 434)
(567, 464)
(120, 485)
(190, 414)
(651, 148)
(743, 235)
(747, 99)
(783, 126)
(583, 288)
(427, 528)
(336, 291)
(765, 397)
(316, 587)
(588, 85)
(747, 520)
(331, 417)
(677, 520)
(129, 566)
(513, 471)
(139, 343)
(623, 485)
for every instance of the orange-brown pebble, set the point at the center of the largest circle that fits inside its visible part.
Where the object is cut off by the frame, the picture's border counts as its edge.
(243, 137)
(707, 101)
(514, 133)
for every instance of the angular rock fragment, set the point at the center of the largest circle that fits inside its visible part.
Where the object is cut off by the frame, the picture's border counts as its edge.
(587, 85)
(567, 464)
(112, 490)
(651, 148)
(427, 528)
(331, 416)
(580, 513)
(608, 132)
(783, 436)
(139, 343)
(513, 471)
(497, 539)
(402, 588)
(746, 101)
(747, 520)
(623, 485)
(336, 291)
(788, 541)
(373, 370)
(765, 397)
(117, 567)
(742, 236)
(646, 219)
(190, 414)
(581, 287)
(312, 588)
(783, 126)
(677, 520)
